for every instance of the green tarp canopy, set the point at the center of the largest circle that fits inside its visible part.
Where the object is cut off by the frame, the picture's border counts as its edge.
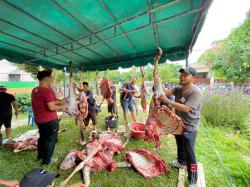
(98, 34)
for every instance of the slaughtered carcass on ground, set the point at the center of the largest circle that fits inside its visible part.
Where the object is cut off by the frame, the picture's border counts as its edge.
(27, 140)
(147, 163)
(97, 156)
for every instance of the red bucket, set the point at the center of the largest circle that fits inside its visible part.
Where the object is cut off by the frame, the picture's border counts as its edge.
(137, 129)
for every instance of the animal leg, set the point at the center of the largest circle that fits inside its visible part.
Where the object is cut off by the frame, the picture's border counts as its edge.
(78, 168)
(127, 140)
(25, 148)
(86, 175)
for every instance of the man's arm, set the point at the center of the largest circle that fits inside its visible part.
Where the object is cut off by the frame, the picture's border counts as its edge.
(128, 91)
(54, 107)
(9, 183)
(192, 102)
(168, 92)
(177, 106)
(15, 107)
(125, 90)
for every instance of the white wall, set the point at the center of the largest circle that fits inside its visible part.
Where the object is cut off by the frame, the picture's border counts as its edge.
(10, 68)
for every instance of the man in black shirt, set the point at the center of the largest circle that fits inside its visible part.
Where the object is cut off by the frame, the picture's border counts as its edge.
(91, 105)
(7, 101)
(127, 92)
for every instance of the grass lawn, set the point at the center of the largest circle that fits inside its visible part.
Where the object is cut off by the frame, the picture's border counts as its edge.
(21, 117)
(232, 147)
(234, 150)
(14, 166)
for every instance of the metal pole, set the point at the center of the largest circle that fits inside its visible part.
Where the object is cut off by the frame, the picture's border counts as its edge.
(186, 58)
(64, 82)
(186, 61)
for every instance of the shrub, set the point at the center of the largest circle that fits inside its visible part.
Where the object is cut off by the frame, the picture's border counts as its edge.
(226, 109)
(23, 101)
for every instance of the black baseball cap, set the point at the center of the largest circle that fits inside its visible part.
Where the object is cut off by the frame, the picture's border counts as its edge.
(2, 87)
(85, 83)
(38, 177)
(188, 70)
(43, 74)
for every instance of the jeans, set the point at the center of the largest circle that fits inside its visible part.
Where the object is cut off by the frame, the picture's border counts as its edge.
(127, 104)
(47, 141)
(186, 154)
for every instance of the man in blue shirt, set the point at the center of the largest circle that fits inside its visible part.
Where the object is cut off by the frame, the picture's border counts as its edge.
(127, 92)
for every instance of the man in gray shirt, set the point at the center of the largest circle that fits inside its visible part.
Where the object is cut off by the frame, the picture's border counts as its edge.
(187, 106)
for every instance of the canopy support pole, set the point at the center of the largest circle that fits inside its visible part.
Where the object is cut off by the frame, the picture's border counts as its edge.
(187, 62)
(64, 81)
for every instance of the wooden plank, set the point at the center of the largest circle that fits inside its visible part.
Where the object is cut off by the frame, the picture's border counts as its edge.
(201, 176)
(181, 178)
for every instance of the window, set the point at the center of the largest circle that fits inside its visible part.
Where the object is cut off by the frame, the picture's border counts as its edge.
(14, 77)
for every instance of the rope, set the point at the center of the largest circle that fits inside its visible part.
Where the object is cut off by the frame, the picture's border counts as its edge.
(218, 156)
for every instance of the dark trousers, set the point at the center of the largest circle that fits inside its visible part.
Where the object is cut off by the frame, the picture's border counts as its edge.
(92, 115)
(47, 141)
(186, 154)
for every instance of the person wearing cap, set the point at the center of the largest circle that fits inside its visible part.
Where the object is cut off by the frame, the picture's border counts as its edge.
(7, 102)
(37, 177)
(45, 106)
(187, 106)
(127, 93)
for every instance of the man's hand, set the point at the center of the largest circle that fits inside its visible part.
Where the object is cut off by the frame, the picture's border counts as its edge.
(163, 99)
(64, 106)
(124, 90)
(13, 183)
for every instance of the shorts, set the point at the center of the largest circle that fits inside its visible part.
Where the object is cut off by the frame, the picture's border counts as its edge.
(127, 104)
(5, 118)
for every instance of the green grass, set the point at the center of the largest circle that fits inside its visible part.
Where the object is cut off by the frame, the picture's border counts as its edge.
(14, 166)
(232, 148)
(21, 117)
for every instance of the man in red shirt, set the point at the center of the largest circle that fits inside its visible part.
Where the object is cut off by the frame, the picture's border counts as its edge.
(45, 106)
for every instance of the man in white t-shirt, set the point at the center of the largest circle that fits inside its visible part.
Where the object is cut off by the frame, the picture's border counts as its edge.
(135, 98)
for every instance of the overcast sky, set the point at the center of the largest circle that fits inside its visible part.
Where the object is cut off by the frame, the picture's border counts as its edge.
(222, 17)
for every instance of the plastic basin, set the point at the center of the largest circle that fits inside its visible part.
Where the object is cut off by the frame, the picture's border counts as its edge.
(111, 122)
(137, 129)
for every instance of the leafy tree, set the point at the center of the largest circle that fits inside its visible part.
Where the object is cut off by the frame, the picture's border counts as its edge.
(29, 68)
(231, 57)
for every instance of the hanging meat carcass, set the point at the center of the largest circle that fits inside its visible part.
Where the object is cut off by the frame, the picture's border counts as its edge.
(143, 91)
(27, 140)
(158, 90)
(106, 90)
(161, 120)
(79, 110)
(97, 156)
(83, 103)
(147, 163)
(71, 100)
